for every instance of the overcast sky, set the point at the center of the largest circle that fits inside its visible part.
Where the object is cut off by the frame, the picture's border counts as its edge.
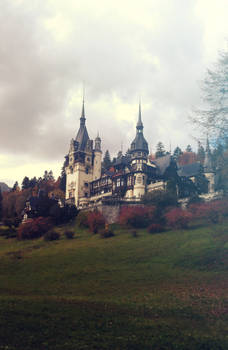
(120, 50)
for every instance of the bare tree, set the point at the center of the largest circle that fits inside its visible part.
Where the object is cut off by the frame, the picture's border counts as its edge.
(212, 118)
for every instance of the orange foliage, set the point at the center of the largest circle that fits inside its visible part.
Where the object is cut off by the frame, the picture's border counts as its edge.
(187, 158)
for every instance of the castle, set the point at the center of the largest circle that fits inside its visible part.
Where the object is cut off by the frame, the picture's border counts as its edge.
(130, 177)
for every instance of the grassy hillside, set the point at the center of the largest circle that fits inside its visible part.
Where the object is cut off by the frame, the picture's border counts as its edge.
(163, 291)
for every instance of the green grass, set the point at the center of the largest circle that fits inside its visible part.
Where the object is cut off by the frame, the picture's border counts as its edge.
(162, 291)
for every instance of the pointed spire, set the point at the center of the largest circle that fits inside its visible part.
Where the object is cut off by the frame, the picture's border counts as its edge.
(82, 119)
(139, 123)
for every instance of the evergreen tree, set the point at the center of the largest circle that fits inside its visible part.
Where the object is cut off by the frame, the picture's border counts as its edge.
(189, 148)
(33, 182)
(25, 183)
(177, 153)
(200, 153)
(63, 177)
(160, 150)
(201, 182)
(107, 160)
(15, 187)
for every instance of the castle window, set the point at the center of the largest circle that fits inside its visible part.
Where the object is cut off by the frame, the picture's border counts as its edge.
(87, 170)
(86, 194)
(88, 159)
(86, 184)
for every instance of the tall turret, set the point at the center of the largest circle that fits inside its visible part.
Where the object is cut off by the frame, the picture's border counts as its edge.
(139, 153)
(139, 146)
(97, 158)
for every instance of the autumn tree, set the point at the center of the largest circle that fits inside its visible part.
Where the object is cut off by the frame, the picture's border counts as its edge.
(187, 158)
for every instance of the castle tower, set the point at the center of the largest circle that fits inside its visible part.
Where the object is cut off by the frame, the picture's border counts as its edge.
(208, 170)
(97, 158)
(79, 170)
(139, 153)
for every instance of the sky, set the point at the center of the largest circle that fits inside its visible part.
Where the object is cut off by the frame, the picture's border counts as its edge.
(120, 51)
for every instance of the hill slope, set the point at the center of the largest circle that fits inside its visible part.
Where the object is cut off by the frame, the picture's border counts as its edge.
(164, 291)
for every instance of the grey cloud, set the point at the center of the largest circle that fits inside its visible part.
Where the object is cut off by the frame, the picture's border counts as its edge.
(37, 74)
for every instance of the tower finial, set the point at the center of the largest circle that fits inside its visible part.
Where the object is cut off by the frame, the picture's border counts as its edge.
(139, 123)
(82, 119)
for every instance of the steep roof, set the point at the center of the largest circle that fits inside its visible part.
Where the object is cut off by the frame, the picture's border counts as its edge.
(162, 163)
(82, 135)
(139, 143)
(189, 170)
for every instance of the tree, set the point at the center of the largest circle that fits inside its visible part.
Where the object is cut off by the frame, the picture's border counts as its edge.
(62, 184)
(212, 117)
(160, 150)
(187, 158)
(107, 160)
(200, 153)
(25, 183)
(15, 187)
(177, 153)
(189, 148)
(201, 182)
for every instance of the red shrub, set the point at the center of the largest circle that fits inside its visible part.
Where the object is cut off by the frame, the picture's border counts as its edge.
(137, 216)
(178, 218)
(155, 228)
(34, 228)
(96, 221)
(211, 211)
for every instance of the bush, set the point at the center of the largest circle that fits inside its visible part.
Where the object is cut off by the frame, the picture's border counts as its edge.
(34, 228)
(69, 234)
(160, 198)
(212, 211)
(134, 234)
(136, 217)
(107, 233)
(178, 218)
(82, 219)
(51, 236)
(156, 228)
(96, 221)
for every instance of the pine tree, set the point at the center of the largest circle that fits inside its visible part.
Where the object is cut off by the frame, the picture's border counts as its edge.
(107, 160)
(177, 153)
(200, 153)
(15, 187)
(189, 148)
(63, 177)
(25, 183)
(160, 150)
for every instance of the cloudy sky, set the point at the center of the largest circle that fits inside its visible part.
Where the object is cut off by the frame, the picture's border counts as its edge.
(120, 50)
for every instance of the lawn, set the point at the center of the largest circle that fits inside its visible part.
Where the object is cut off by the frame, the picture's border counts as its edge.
(161, 291)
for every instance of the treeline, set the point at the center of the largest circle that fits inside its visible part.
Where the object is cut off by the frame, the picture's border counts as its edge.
(46, 190)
